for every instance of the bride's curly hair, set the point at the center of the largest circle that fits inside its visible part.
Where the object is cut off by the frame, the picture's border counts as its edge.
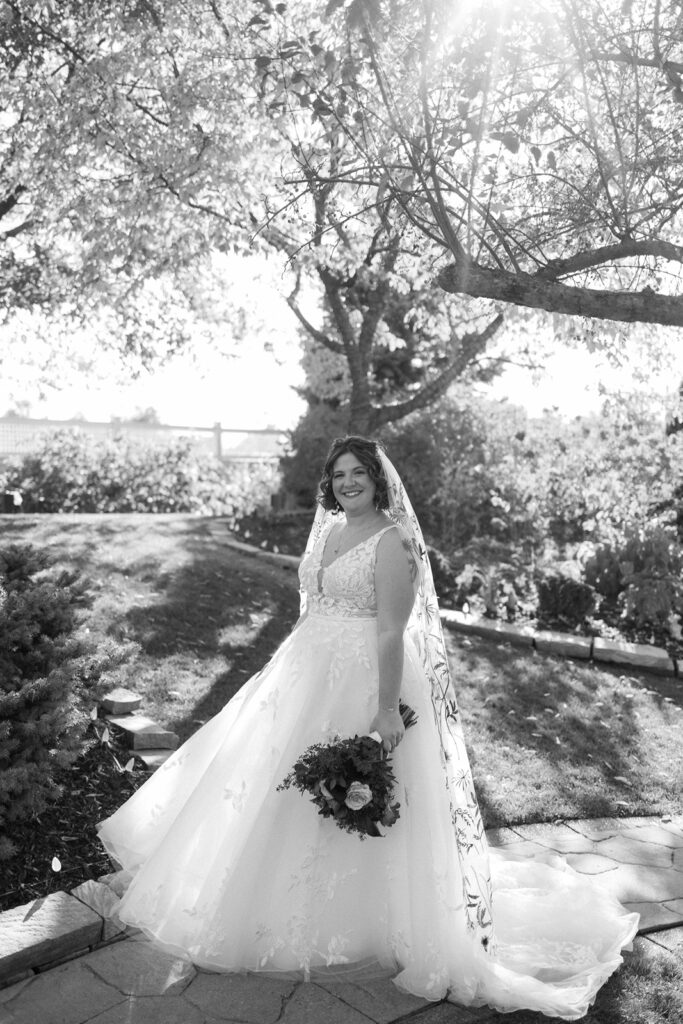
(367, 453)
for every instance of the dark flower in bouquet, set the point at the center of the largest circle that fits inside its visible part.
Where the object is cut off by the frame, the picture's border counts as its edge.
(350, 780)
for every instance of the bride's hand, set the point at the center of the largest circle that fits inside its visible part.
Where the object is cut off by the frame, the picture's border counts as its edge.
(390, 727)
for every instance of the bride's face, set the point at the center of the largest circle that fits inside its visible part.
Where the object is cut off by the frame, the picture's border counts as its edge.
(352, 486)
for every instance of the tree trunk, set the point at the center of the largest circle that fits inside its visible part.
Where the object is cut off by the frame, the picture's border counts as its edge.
(361, 412)
(532, 291)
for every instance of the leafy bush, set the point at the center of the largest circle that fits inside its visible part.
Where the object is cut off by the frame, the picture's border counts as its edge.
(71, 471)
(652, 568)
(40, 722)
(563, 600)
(477, 468)
(467, 472)
(603, 571)
(643, 571)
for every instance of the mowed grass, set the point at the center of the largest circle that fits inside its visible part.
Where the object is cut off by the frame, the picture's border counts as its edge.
(192, 620)
(551, 738)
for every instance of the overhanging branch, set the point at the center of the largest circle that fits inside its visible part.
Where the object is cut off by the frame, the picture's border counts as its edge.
(534, 292)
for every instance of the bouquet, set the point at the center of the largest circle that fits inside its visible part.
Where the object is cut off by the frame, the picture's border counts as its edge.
(351, 781)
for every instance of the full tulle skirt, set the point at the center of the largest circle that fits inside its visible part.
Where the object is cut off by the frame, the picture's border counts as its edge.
(239, 875)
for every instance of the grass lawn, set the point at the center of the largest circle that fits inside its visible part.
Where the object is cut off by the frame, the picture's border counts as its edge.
(550, 738)
(553, 738)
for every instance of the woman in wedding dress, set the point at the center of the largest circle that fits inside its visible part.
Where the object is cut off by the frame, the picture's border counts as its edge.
(239, 875)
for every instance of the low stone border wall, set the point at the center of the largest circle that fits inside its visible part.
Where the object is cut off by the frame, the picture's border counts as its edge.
(54, 929)
(567, 645)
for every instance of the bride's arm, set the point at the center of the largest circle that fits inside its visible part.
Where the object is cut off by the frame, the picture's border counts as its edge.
(394, 589)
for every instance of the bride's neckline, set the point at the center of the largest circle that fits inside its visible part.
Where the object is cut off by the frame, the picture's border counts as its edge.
(348, 550)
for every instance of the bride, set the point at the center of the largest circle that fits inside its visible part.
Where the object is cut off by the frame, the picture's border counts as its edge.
(239, 875)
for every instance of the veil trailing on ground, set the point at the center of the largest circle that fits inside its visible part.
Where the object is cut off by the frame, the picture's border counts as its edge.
(424, 629)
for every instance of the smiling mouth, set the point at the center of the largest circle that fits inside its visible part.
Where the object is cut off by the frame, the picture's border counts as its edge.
(351, 494)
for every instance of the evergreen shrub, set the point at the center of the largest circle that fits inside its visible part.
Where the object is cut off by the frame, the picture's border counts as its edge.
(71, 471)
(40, 721)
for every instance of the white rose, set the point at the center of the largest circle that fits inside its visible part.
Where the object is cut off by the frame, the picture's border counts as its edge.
(358, 796)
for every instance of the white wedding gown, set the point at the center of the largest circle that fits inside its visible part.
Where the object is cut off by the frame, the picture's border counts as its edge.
(240, 876)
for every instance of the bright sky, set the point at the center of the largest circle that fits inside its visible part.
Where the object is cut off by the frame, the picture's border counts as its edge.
(254, 388)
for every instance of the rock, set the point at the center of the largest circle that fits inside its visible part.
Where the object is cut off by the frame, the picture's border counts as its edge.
(152, 758)
(45, 930)
(120, 701)
(564, 644)
(104, 901)
(145, 733)
(654, 659)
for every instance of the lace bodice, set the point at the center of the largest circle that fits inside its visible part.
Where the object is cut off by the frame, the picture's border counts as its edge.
(346, 587)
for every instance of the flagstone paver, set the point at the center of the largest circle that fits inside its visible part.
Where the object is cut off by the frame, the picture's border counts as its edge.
(449, 1013)
(525, 848)
(573, 842)
(244, 997)
(671, 939)
(627, 850)
(560, 838)
(598, 829)
(653, 915)
(152, 1010)
(655, 834)
(311, 1004)
(501, 836)
(70, 994)
(137, 967)
(379, 999)
(591, 863)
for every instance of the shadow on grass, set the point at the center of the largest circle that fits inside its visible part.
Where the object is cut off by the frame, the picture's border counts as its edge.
(581, 737)
(220, 605)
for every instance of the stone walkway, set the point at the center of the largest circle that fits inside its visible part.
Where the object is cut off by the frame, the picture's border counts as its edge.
(132, 982)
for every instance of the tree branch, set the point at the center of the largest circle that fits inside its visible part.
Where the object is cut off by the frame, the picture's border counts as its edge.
(319, 336)
(536, 293)
(607, 253)
(469, 346)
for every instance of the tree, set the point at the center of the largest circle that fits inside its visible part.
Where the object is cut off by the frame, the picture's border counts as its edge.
(391, 343)
(535, 143)
(151, 123)
(124, 160)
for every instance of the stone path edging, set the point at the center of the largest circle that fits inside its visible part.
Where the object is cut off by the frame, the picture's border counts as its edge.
(567, 645)
(638, 656)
